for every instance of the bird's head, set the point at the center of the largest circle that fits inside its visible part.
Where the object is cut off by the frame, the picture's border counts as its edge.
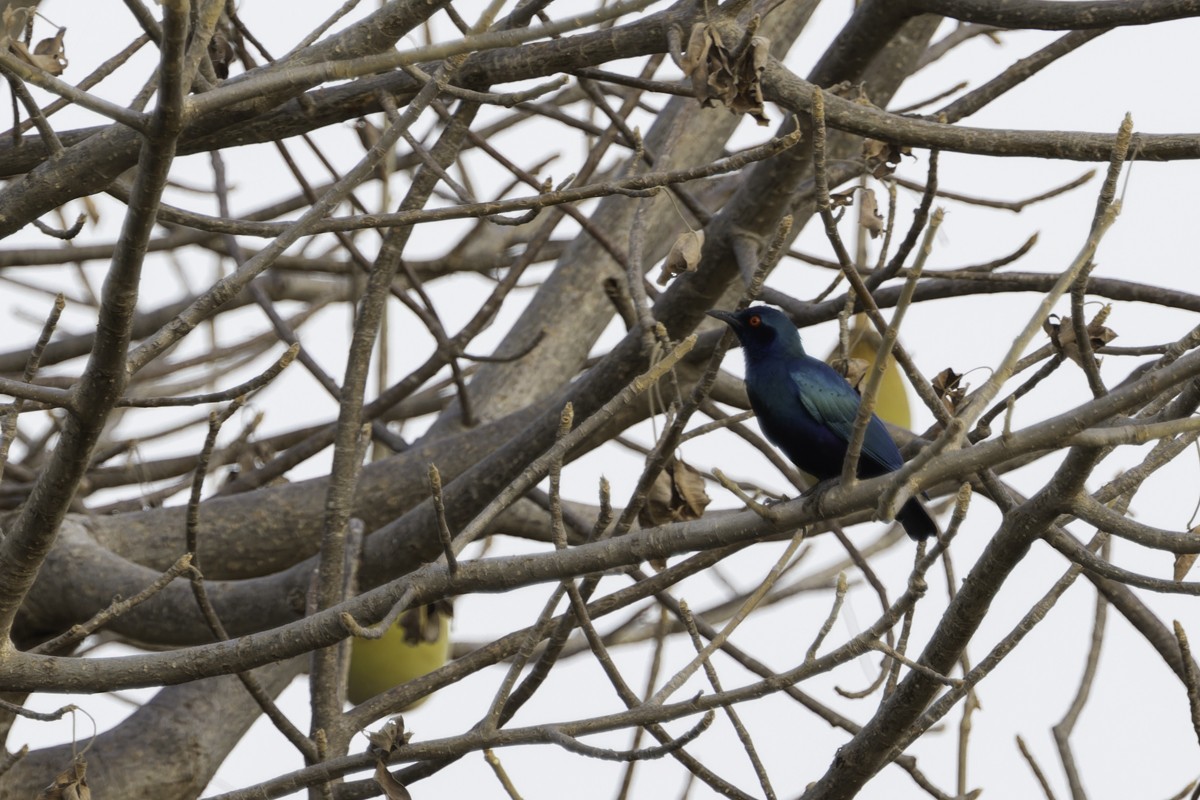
(762, 329)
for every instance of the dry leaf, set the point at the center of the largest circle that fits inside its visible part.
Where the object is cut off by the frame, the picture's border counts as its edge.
(948, 385)
(842, 199)
(48, 55)
(882, 157)
(388, 739)
(52, 46)
(1184, 561)
(868, 213)
(1062, 333)
(392, 788)
(689, 487)
(731, 75)
(695, 59)
(383, 742)
(677, 494)
(70, 784)
(14, 19)
(747, 97)
(683, 257)
(854, 370)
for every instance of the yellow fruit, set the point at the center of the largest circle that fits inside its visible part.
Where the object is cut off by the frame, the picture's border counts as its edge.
(417, 644)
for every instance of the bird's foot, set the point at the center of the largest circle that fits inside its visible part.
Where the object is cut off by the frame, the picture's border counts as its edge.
(816, 493)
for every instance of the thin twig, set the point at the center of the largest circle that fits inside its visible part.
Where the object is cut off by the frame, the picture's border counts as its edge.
(1037, 771)
(439, 506)
(80, 631)
(8, 428)
(714, 680)
(243, 389)
(839, 597)
(748, 606)
(501, 775)
(1191, 674)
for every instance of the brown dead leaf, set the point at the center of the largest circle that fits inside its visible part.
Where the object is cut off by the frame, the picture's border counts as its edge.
(695, 59)
(732, 75)
(70, 784)
(52, 46)
(1062, 333)
(48, 55)
(882, 157)
(388, 739)
(842, 199)
(392, 788)
(854, 370)
(684, 256)
(748, 97)
(868, 213)
(13, 21)
(948, 385)
(677, 494)
(689, 486)
(1184, 562)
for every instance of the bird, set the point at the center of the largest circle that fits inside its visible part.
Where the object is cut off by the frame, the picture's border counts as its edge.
(807, 410)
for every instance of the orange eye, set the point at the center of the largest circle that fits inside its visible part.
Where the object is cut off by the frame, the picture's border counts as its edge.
(754, 321)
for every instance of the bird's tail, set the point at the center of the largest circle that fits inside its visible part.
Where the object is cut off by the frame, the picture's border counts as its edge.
(916, 520)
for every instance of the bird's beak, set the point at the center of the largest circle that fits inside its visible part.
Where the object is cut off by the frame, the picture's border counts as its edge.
(725, 316)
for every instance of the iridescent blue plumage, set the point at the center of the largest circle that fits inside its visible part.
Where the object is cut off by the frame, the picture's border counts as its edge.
(807, 410)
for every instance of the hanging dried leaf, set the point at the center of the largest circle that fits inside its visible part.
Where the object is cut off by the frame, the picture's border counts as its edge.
(683, 257)
(748, 97)
(695, 59)
(868, 213)
(689, 486)
(854, 370)
(948, 385)
(48, 55)
(392, 788)
(842, 199)
(70, 784)
(14, 19)
(882, 157)
(1184, 562)
(677, 494)
(388, 739)
(732, 76)
(1062, 333)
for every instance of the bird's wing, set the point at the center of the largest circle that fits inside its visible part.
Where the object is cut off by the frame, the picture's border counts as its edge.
(826, 395)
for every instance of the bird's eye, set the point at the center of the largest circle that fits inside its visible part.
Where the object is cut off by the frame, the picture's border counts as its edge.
(754, 321)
